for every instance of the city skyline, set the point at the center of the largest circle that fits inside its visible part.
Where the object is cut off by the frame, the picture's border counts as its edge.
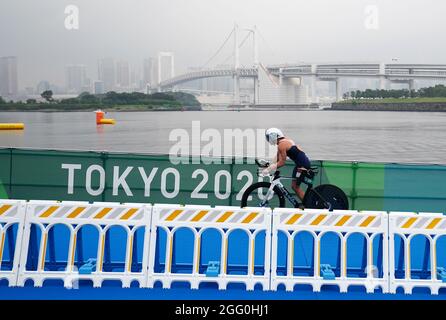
(113, 74)
(120, 76)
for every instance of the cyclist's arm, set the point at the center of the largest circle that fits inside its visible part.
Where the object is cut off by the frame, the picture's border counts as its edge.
(279, 161)
(281, 156)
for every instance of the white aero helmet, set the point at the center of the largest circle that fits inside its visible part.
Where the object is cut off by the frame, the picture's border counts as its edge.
(272, 135)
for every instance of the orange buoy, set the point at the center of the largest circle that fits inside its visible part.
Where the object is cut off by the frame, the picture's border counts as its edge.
(101, 120)
(99, 116)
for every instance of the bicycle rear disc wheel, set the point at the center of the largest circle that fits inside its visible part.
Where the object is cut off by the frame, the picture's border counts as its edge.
(330, 193)
(256, 193)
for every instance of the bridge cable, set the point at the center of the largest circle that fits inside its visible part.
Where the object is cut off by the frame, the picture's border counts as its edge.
(240, 45)
(219, 49)
(244, 40)
(266, 43)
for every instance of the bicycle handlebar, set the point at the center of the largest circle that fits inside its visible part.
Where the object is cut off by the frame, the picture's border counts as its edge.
(262, 163)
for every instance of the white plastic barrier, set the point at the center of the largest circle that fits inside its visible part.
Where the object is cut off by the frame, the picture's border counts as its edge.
(74, 215)
(198, 219)
(407, 226)
(12, 215)
(413, 237)
(344, 224)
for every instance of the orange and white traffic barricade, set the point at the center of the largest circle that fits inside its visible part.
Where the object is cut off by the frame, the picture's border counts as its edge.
(202, 245)
(417, 251)
(12, 217)
(72, 241)
(316, 248)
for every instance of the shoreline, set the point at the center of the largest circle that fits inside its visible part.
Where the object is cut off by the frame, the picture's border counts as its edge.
(397, 107)
(269, 110)
(389, 107)
(106, 110)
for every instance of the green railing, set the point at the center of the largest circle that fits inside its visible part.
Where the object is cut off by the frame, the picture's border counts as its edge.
(98, 176)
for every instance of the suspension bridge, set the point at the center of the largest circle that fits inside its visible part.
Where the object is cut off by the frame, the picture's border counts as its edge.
(287, 83)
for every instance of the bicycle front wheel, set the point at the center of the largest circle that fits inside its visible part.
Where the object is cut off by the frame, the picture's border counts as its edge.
(255, 196)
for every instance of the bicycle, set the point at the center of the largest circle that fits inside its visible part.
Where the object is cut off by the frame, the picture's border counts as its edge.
(326, 196)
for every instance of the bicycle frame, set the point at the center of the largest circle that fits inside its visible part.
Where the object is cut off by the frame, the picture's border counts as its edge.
(275, 182)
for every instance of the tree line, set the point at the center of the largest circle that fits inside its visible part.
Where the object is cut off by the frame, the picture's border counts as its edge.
(85, 99)
(438, 91)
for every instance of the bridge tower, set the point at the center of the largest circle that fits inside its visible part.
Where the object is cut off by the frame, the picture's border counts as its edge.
(236, 67)
(256, 63)
(255, 56)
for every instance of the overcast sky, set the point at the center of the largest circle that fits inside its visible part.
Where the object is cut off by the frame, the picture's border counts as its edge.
(293, 30)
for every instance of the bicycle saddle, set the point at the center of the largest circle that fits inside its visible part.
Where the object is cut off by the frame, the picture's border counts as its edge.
(312, 172)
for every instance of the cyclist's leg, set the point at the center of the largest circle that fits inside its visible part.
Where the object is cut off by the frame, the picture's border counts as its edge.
(295, 184)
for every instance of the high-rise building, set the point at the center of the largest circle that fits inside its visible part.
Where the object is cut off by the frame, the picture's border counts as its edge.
(106, 73)
(135, 79)
(76, 78)
(123, 75)
(87, 87)
(8, 76)
(98, 87)
(166, 66)
(149, 75)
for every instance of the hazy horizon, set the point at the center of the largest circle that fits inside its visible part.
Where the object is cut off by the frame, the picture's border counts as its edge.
(291, 31)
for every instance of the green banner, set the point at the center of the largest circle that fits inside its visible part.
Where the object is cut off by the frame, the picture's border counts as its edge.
(5, 173)
(118, 177)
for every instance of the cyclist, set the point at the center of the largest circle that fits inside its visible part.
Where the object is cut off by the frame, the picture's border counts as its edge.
(287, 148)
